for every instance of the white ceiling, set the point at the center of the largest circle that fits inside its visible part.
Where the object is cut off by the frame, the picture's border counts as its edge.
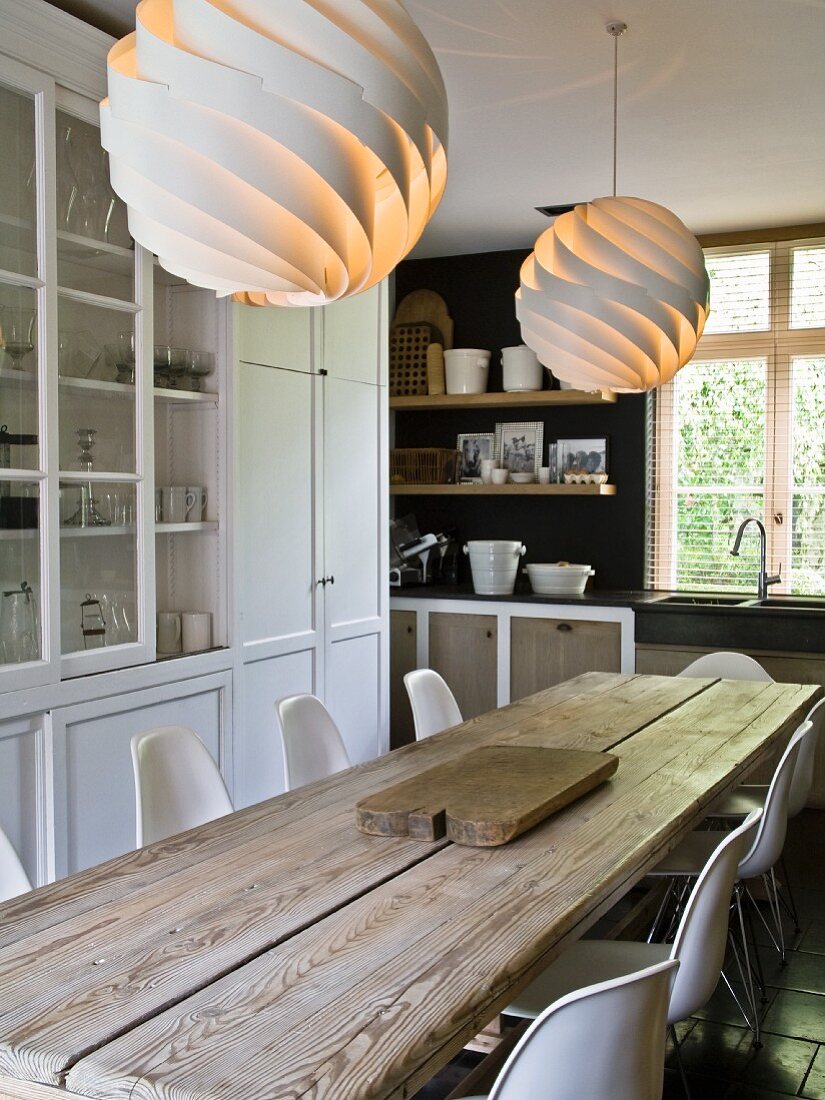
(720, 110)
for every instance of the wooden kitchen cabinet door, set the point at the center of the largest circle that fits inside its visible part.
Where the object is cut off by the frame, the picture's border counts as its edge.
(544, 652)
(463, 649)
(403, 638)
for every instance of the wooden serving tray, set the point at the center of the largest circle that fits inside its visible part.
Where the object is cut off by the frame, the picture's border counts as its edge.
(485, 797)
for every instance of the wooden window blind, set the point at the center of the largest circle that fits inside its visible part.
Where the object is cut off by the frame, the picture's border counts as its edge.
(741, 429)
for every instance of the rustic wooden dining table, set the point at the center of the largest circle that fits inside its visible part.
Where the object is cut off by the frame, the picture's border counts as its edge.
(281, 953)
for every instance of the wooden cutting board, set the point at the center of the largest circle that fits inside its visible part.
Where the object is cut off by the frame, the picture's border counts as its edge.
(426, 305)
(485, 797)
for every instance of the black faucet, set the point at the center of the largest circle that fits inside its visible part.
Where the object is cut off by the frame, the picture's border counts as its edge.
(764, 579)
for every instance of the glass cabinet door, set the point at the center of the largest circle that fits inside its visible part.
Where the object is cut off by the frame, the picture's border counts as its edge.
(22, 449)
(99, 395)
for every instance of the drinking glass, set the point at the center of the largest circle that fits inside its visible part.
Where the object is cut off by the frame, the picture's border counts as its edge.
(18, 329)
(199, 365)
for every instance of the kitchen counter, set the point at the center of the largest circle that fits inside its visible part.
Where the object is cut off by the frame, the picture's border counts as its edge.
(742, 626)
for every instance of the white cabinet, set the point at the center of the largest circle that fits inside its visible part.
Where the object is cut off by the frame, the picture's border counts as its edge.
(312, 501)
(94, 800)
(285, 440)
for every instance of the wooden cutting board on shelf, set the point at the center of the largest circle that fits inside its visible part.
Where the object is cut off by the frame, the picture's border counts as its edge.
(485, 797)
(426, 306)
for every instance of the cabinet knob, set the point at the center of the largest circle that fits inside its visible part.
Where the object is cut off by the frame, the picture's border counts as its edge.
(409, 630)
(326, 580)
(330, 580)
(564, 626)
(489, 633)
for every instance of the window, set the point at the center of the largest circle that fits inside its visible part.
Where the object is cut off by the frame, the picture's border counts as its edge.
(740, 431)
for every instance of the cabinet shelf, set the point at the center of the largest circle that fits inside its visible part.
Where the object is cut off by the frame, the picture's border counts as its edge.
(504, 490)
(184, 397)
(528, 399)
(185, 528)
(91, 532)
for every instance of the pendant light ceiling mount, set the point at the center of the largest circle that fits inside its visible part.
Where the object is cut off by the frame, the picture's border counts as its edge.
(615, 294)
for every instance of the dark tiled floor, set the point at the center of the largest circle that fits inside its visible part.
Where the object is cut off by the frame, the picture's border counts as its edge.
(720, 1062)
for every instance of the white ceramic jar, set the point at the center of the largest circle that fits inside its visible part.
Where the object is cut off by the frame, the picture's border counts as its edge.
(521, 369)
(466, 370)
(494, 564)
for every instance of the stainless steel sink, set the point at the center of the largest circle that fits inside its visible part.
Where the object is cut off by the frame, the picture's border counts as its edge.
(777, 603)
(688, 600)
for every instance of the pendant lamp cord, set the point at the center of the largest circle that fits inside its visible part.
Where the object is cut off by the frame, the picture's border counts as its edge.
(616, 30)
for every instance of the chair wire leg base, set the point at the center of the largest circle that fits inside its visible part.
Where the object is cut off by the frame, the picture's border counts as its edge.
(679, 1062)
(747, 969)
(788, 902)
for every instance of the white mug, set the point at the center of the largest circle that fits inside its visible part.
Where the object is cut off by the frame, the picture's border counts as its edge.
(544, 475)
(196, 630)
(196, 512)
(487, 467)
(168, 632)
(177, 503)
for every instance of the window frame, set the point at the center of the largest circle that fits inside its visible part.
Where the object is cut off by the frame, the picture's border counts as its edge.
(779, 346)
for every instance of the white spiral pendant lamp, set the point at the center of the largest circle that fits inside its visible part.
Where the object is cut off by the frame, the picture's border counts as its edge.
(289, 152)
(615, 294)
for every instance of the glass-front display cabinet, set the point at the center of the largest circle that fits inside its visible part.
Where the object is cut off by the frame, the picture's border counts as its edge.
(111, 423)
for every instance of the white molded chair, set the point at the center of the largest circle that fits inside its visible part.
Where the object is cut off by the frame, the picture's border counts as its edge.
(312, 744)
(689, 857)
(603, 1042)
(433, 704)
(699, 945)
(727, 666)
(750, 796)
(13, 879)
(177, 783)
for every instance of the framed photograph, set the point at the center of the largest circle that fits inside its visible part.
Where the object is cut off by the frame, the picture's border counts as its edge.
(582, 458)
(520, 447)
(473, 447)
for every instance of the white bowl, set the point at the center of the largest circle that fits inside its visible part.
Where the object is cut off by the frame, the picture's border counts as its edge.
(548, 579)
(522, 479)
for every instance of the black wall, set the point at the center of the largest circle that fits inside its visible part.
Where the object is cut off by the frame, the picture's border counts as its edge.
(607, 532)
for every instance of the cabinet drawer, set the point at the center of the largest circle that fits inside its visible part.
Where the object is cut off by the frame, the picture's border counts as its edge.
(544, 652)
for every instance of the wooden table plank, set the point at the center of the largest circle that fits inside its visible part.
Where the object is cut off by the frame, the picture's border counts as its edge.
(333, 1011)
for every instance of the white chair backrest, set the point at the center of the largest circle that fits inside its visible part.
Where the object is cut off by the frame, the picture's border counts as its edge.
(433, 704)
(803, 773)
(770, 835)
(312, 744)
(727, 666)
(177, 783)
(602, 1042)
(702, 935)
(13, 879)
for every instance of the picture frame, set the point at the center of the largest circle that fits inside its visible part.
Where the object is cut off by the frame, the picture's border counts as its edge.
(473, 447)
(583, 460)
(520, 446)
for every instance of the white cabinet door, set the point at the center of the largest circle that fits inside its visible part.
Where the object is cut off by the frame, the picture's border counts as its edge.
(275, 337)
(355, 562)
(258, 751)
(355, 337)
(24, 792)
(93, 781)
(277, 524)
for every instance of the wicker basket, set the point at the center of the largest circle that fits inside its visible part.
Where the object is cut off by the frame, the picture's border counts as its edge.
(423, 466)
(408, 358)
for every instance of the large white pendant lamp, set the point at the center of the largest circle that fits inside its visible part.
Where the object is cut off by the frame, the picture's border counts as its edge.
(615, 294)
(287, 152)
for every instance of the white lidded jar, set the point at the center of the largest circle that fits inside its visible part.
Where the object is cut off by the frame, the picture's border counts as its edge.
(521, 369)
(466, 370)
(494, 564)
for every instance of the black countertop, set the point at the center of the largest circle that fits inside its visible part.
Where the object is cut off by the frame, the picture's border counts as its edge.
(743, 626)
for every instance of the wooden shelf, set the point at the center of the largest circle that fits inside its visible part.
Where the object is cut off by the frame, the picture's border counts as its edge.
(524, 400)
(533, 489)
